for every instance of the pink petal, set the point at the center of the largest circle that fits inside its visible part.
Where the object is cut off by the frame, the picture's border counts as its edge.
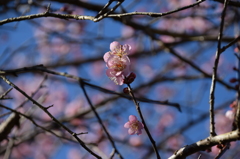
(141, 125)
(132, 118)
(126, 60)
(119, 73)
(114, 45)
(126, 48)
(127, 125)
(139, 132)
(112, 60)
(110, 73)
(119, 80)
(126, 71)
(131, 131)
(106, 56)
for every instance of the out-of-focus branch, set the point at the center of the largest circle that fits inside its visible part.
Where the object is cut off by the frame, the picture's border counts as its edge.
(8, 124)
(5, 93)
(144, 28)
(129, 97)
(31, 119)
(204, 144)
(237, 116)
(43, 69)
(194, 66)
(100, 121)
(38, 68)
(232, 3)
(115, 16)
(214, 75)
(230, 44)
(186, 127)
(45, 109)
(223, 150)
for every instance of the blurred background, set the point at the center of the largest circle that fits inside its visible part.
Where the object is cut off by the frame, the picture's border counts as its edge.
(172, 57)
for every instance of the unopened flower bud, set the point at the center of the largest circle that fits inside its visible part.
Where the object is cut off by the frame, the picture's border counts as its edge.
(129, 79)
(233, 80)
(235, 68)
(126, 90)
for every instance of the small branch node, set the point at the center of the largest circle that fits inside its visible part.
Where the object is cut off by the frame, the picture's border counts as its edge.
(46, 108)
(82, 133)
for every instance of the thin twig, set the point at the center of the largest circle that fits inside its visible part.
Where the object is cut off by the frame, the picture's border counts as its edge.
(214, 75)
(44, 69)
(223, 150)
(143, 121)
(237, 116)
(99, 119)
(199, 157)
(194, 66)
(9, 149)
(146, 100)
(7, 125)
(52, 117)
(35, 123)
(104, 8)
(153, 14)
(40, 68)
(186, 127)
(100, 17)
(33, 94)
(230, 44)
(5, 93)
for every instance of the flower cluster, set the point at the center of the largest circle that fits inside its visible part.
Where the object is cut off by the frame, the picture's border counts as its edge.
(135, 126)
(118, 62)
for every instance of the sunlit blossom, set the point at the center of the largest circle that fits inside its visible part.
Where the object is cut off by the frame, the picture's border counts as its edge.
(117, 62)
(118, 49)
(134, 126)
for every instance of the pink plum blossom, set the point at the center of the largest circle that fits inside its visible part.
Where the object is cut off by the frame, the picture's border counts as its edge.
(135, 126)
(118, 62)
(118, 68)
(118, 50)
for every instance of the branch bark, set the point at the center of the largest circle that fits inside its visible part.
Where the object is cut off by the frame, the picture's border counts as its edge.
(204, 144)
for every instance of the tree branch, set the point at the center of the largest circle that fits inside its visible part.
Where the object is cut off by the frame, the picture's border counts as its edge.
(214, 75)
(52, 117)
(204, 144)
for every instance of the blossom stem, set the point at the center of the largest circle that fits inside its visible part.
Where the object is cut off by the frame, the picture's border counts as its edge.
(143, 121)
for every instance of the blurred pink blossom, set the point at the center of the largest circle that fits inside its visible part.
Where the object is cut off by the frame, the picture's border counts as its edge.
(230, 114)
(118, 62)
(222, 123)
(74, 154)
(135, 141)
(135, 126)
(127, 31)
